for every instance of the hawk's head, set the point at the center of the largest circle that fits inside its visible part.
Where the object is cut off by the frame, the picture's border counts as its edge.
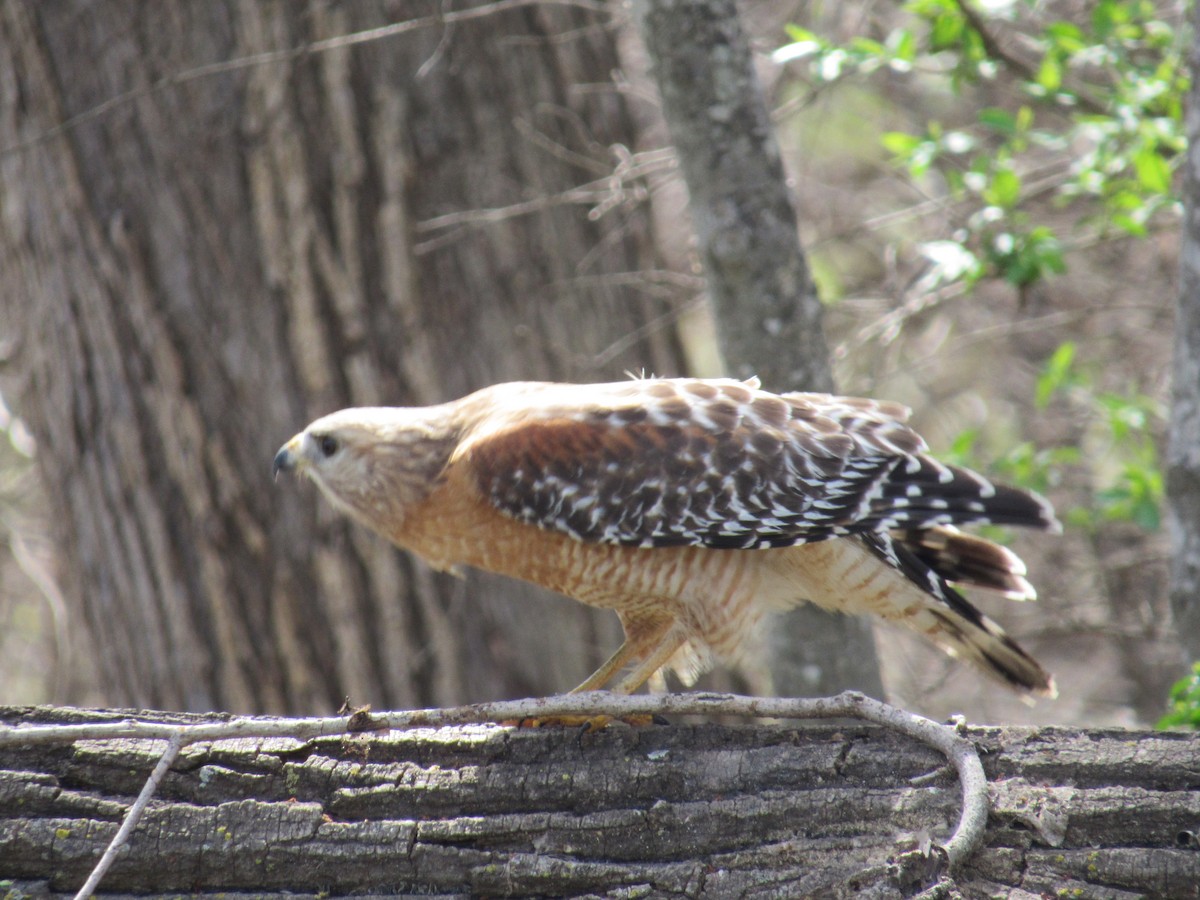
(373, 463)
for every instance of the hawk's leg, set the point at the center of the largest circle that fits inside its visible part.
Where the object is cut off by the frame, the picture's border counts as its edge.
(649, 642)
(607, 670)
(661, 649)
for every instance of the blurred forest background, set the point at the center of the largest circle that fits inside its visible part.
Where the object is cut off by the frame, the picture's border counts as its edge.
(986, 200)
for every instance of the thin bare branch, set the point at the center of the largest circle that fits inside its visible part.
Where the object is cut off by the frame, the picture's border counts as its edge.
(174, 744)
(602, 195)
(137, 729)
(670, 317)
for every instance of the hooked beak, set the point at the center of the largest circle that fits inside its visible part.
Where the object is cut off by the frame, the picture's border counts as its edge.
(287, 459)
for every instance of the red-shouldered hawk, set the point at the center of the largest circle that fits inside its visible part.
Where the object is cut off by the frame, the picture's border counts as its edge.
(690, 507)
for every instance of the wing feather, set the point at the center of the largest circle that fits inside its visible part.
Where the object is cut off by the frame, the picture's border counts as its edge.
(722, 464)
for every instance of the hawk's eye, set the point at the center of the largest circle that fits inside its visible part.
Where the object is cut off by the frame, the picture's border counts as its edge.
(328, 444)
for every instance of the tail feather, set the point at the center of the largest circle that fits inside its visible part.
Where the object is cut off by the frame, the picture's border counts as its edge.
(950, 621)
(980, 641)
(967, 560)
(927, 493)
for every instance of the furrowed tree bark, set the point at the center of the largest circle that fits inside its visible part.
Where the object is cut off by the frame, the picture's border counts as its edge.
(769, 318)
(194, 272)
(1183, 447)
(701, 810)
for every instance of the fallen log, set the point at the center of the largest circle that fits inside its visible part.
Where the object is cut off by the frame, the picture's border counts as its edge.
(713, 810)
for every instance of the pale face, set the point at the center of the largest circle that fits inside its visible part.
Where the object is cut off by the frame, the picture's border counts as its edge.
(371, 463)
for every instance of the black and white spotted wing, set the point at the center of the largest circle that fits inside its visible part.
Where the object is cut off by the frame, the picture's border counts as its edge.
(723, 464)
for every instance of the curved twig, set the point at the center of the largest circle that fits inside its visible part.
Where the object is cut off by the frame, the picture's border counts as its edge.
(959, 751)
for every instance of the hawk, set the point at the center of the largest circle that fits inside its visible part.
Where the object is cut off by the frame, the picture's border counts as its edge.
(690, 507)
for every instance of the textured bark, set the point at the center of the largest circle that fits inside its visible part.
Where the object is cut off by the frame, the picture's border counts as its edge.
(768, 315)
(702, 810)
(194, 273)
(1183, 447)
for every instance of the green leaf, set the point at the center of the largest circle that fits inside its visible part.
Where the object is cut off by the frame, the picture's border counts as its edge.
(903, 44)
(798, 34)
(1025, 258)
(1066, 37)
(868, 47)
(1153, 173)
(917, 153)
(1004, 189)
(1035, 469)
(964, 443)
(1185, 702)
(1105, 17)
(1129, 225)
(804, 43)
(946, 32)
(998, 120)
(1049, 73)
(1055, 374)
(900, 143)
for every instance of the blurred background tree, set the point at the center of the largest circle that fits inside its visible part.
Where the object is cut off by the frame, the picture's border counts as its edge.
(1183, 448)
(997, 234)
(985, 197)
(240, 245)
(768, 317)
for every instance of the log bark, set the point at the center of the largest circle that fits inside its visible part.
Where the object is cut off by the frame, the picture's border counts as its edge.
(699, 810)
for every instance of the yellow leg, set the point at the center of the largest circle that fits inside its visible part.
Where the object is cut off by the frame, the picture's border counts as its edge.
(638, 643)
(651, 644)
(611, 666)
(657, 658)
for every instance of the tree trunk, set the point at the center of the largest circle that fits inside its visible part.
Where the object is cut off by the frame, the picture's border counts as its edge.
(702, 810)
(1183, 447)
(195, 271)
(768, 315)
